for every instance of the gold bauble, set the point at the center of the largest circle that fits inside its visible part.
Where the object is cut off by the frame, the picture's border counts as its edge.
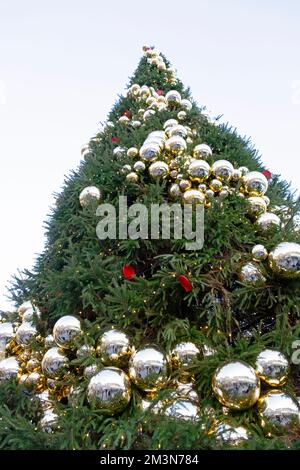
(256, 184)
(279, 412)
(132, 177)
(136, 124)
(119, 152)
(26, 334)
(9, 368)
(135, 89)
(174, 190)
(267, 222)
(182, 115)
(24, 306)
(150, 100)
(158, 170)
(182, 355)
(251, 274)
(176, 145)
(139, 166)
(90, 371)
(54, 363)
(202, 151)
(148, 368)
(6, 333)
(285, 260)
(145, 91)
(89, 195)
(173, 98)
(193, 196)
(33, 365)
(31, 315)
(49, 342)
(35, 381)
(170, 122)
(272, 367)
(125, 169)
(259, 253)
(114, 348)
(256, 206)
(199, 170)
(182, 409)
(132, 152)
(174, 174)
(210, 194)
(225, 433)
(184, 184)
(85, 351)
(266, 199)
(223, 170)
(177, 130)
(215, 185)
(244, 170)
(66, 331)
(150, 152)
(109, 390)
(236, 175)
(202, 187)
(49, 421)
(186, 105)
(123, 120)
(223, 194)
(236, 385)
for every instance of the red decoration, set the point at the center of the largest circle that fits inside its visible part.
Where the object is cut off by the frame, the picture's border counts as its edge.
(267, 174)
(115, 140)
(160, 92)
(127, 113)
(185, 283)
(128, 272)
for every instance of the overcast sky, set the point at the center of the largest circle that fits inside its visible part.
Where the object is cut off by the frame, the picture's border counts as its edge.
(63, 63)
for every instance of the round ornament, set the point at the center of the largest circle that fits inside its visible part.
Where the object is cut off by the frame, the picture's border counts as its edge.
(199, 170)
(251, 274)
(89, 195)
(259, 253)
(66, 331)
(285, 260)
(278, 411)
(272, 367)
(148, 368)
(54, 363)
(223, 170)
(114, 348)
(256, 184)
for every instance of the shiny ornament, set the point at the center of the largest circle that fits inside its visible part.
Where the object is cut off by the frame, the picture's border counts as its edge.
(139, 167)
(9, 368)
(89, 194)
(223, 194)
(183, 354)
(132, 177)
(278, 412)
(259, 253)
(251, 274)
(236, 175)
(182, 409)
(49, 421)
(182, 115)
(66, 331)
(54, 363)
(114, 348)
(170, 123)
(109, 390)
(173, 98)
(178, 130)
(158, 170)
(135, 89)
(186, 390)
(256, 206)
(186, 104)
(266, 199)
(256, 184)
(125, 169)
(26, 334)
(226, 433)
(119, 152)
(184, 185)
(174, 174)
(128, 272)
(90, 371)
(236, 385)
(210, 194)
(85, 351)
(174, 190)
(285, 260)
(202, 187)
(123, 119)
(223, 170)
(202, 151)
(208, 351)
(193, 196)
(33, 365)
(132, 152)
(215, 185)
(176, 145)
(267, 222)
(185, 283)
(149, 152)
(199, 170)
(148, 368)
(49, 342)
(6, 333)
(244, 170)
(25, 306)
(35, 381)
(148, 113)
(136, 124)
(31, 315)
(272, 367)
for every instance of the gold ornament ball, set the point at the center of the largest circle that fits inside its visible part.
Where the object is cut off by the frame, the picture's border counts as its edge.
(193, 196)
(184, 185)
(236, 385)
(33, 365)
(244, 170)
(176, 145)
(132, 177)
(123, 120)
(114, 348)
(186, 104)
(236, 175)
(285, 260)
(49, 421)
(136, 124)
(139, 166)
(173, 174)
(49, 342)
(202, 187)
(109, 390)
(182, 409)
(210, 194)
(177, 130)
(223, 170)
(35, 381)
(85, 351)
(183, 354)
(182, 115)
(148, 114)
(226, 433)
(26, 334)
(272, 367)
(6, 333)
(9, 368)
(158, 170)
(66, 331)
(135, 89)
(173, 98)
(174, 190)
(90, 371)
(278, 412)
(170, 123)
(150, 152)
(31, 315)
(267, 222)
(148, 368)
(256, 184)
(119, 152)
(259, 253)
(24, 306)
(199, 170)
(256, 206)
(202, 151)
(252, 275)
(125, 169)
(132, 152)
(89, 195)
(55, 363)
(215, 185)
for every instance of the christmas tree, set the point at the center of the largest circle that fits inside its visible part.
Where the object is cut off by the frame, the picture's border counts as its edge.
(128, 338)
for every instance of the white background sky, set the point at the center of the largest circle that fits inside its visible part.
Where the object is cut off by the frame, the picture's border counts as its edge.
(63, 62)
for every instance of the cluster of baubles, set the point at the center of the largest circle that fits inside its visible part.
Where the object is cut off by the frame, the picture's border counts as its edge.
(155, 58)
(237, 386)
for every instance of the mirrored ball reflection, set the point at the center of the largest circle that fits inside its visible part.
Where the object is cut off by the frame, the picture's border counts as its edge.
(278, 411)
(148, 368)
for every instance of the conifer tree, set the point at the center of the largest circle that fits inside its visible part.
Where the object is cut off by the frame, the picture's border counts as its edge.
(141, 342)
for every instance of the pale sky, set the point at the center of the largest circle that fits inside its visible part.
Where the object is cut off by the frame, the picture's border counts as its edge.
(63, 63)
